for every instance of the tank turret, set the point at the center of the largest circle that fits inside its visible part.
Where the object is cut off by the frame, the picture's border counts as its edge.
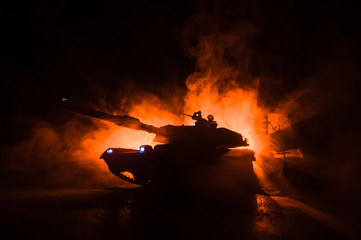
(204, 132)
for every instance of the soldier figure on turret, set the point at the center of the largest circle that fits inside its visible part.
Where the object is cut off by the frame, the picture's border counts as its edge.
(201, 122)
(211, 122)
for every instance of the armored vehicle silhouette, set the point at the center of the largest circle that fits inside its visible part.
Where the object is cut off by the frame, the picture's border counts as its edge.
(181, 150)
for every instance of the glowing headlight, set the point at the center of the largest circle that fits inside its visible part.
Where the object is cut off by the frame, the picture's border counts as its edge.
(142, 149)
(109, 151)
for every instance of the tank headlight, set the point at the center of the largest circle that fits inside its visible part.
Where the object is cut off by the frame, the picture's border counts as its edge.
(141, 149)
(110, 151)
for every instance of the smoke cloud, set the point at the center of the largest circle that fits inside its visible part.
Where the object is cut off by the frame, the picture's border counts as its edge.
(55, 156)
(67, 154)
(227, 51)
(222, 84)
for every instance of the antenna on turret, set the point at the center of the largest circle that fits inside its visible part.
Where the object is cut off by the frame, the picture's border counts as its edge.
(239, 114)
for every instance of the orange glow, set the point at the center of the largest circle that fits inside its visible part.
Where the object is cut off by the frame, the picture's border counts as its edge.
(128, 175)
(214, 89)
(267, 185)
(234, 108)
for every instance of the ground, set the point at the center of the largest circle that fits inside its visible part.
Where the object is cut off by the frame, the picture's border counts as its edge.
(222, 206)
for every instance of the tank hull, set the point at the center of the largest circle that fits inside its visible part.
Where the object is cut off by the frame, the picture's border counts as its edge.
(167, 164)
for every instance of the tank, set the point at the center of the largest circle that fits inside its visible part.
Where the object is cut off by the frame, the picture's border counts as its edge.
(181, 149)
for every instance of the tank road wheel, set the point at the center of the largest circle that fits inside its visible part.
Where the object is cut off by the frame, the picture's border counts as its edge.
(129, 177)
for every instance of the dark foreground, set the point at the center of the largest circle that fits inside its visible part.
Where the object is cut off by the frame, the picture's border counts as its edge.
(222, 208)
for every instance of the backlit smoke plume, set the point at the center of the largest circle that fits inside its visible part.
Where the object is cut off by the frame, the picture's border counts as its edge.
(221, 85)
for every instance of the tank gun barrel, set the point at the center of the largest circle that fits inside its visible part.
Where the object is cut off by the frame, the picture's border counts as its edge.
(120, 120)
(195, 116)
(186, 115)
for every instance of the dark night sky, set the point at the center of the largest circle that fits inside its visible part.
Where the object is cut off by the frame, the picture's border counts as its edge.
(52, 49)
(64, 48)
